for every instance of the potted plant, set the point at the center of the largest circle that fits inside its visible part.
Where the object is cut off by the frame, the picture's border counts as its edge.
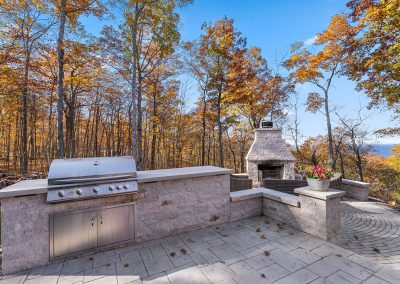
(318, 177)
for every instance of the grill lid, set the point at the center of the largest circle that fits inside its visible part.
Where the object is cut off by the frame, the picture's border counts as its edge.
(82, 170)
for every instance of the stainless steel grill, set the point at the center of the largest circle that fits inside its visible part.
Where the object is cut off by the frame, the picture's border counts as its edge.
(76, 179)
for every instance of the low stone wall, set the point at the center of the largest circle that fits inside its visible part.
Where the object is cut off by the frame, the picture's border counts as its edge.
(317, 213)
(356, 189)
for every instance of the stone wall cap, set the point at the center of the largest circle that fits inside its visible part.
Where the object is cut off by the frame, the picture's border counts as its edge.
(180, 173)
(356, 183)
(40, 186)
(283, 197)
(246, 194)
(323, 195)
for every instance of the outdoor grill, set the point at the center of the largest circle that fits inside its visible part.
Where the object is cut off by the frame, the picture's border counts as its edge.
(83, 178)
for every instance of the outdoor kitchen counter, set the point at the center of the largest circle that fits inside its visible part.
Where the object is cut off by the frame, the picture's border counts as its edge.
(39, 186)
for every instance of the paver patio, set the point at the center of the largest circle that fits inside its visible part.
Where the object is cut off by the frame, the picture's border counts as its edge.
(254, 250)
(371, 229)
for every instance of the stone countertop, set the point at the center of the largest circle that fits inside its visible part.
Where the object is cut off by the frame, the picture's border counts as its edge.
(323, 195)
(39, 186)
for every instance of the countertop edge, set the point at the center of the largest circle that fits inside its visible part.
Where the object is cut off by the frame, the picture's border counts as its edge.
(153, 176)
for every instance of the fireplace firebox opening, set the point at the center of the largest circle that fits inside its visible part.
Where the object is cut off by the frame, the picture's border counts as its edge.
(270, 171)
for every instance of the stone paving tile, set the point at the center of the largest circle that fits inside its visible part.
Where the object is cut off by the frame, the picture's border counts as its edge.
(259, 261)
(130, 270)
(389, 275)
(49, 279)
(375, 280)
(71, 279)
(286, 261)
(342, 277)
(157, 265)
(160, 278)
(322, 268)
(226, 253)
(99, 272)
(301, 276)
(191, 274)
(304, 255)
(349, 267)
(218, 273)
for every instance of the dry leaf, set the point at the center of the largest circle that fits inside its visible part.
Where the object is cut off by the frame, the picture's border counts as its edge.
(266, 253)
(172, 254)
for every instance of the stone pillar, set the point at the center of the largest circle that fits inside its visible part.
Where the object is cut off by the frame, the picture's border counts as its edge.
(320, 213)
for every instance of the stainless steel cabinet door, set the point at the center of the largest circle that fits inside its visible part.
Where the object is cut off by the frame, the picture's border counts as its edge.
(74, 232)
(115, 225)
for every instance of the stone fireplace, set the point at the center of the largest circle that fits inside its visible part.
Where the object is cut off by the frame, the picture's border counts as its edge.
(269, 157)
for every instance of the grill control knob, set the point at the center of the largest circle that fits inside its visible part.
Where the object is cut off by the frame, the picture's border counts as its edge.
(119, 187)
(126, 186)
(79, 191)
(61, 193)
(96, 189)
(112, 187)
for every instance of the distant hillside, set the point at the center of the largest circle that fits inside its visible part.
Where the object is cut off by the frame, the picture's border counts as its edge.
(383, 150)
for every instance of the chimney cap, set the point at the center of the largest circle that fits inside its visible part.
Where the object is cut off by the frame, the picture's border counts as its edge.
(267, 124)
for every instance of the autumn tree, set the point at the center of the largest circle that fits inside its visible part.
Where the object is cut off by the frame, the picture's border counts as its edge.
(68, 12)
(222, 44)
(321, 68)
(26, 23)
(375, 49)
(148, 33)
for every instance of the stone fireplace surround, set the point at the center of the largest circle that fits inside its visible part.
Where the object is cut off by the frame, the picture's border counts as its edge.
(269, 149)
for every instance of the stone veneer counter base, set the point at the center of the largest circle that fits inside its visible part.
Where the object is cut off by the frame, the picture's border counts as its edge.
(168, 202)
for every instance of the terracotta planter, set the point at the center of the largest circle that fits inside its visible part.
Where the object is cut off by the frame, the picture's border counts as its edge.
(318, 185)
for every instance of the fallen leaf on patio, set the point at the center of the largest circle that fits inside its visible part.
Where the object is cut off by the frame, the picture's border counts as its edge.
(263, 275)
(266, 253)
(126, 264)
(108, 264)
(339, 255)
(263, 237)
(221, 261)
(172, 254)
(183, 251)
(91, 258)
(258, 230)
(266, 222)
(376, 250)
(355, 237)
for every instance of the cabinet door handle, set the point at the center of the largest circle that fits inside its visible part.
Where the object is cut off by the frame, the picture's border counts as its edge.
(101, 219)
(92, 219)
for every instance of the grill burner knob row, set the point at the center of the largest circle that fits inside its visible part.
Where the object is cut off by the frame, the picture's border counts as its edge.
(112, 187)
(96, 189)
(126, 186)
(79, 191)
(61, 193)
(119, 187)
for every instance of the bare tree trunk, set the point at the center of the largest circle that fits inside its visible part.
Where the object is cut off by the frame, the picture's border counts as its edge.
(203, 130)
(153, 132)
(133, 80)
(139, 161)
(24, 144)
(221, 153)
(330, 138)
(60, 79)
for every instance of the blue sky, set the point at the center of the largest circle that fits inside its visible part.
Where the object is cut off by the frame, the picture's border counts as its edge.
(273, 26)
